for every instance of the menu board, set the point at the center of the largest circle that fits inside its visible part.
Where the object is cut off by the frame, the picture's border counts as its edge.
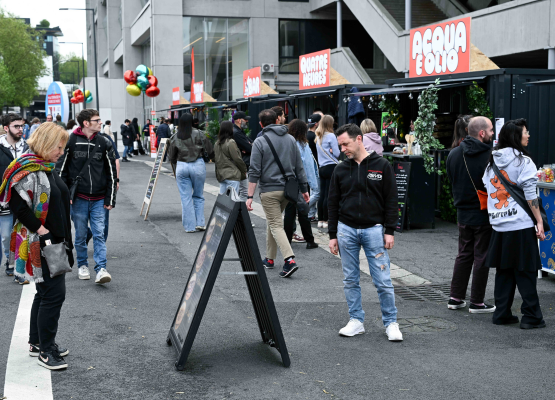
(154, 176)
(199, 273)
(402, 176)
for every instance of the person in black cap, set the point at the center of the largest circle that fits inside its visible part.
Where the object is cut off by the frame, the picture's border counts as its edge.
(240, 120)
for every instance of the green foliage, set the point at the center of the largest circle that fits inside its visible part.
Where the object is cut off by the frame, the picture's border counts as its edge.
(7, 86)
(22, 58)
(447, 209)
(394, 117)
(71, 69)
(477, 103)
(44, 23)
(424, 125)
(212, 125)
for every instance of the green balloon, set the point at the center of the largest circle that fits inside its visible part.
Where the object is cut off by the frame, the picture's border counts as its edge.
(142, 82)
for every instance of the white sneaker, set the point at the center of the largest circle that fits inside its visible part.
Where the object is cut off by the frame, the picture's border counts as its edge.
(354, 327)
(325, 225)
(393, 333)
(84, 273)
(320, 224)
(103, 276)
(200, 228)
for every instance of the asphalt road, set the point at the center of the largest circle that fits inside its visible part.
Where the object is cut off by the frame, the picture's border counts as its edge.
(116, 333)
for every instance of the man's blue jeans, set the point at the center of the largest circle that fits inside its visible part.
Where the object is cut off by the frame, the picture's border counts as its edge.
(190, 178)
(372, 241)
(6, 227)
(127, 150)
(106, 226)
(83, 211)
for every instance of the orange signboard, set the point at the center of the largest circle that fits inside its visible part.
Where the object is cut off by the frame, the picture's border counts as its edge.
(314, 70)
(251, 82)
(440, 49)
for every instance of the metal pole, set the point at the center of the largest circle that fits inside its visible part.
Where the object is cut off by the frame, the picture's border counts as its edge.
(339, 25)
(228, 97)
(95, 63)
(408, 14)
(144, 113)
(83, 59)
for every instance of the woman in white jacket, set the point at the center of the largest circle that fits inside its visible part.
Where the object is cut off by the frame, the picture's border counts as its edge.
(513, 249)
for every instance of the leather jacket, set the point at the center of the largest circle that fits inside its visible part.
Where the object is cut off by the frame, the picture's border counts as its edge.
(189, 150)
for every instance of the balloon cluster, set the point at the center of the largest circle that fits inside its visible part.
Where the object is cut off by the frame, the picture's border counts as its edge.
(80, 97)
(141, 80)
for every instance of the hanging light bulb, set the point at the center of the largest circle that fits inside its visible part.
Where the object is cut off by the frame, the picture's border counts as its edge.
(359, 101)
(410, 95)
(396, 97)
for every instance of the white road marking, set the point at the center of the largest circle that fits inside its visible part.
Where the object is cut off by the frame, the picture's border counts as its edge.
(25, 379)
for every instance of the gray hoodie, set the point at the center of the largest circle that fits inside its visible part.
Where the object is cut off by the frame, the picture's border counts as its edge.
(264, 169)
(505, 214)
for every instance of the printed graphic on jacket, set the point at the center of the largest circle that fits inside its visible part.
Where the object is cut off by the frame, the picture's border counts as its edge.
(501, 194)
(374, 175)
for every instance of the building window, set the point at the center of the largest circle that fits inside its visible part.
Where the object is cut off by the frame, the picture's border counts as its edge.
(291, 45)
(221, 54)
(48, 38)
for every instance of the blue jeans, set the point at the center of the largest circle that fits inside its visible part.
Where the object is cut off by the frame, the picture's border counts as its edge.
(127, 150)
(227, 183)
(6, 227)
(372, 241)
(83, 212)
(106, 225)
(190, 182)
(313, 203)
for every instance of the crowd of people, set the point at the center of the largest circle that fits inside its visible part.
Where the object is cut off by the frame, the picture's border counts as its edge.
(340, 180)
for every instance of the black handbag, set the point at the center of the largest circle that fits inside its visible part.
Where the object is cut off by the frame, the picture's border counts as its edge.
(292, 192)
(518, 194)
(75, 183)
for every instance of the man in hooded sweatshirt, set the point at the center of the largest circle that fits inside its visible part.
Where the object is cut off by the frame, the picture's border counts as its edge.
(265, 170)
(465, 167)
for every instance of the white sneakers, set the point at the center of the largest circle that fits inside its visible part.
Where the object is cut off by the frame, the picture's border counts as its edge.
(354, 327)
(322, 224)
(84, 273)
(103, 276)
(393, 333)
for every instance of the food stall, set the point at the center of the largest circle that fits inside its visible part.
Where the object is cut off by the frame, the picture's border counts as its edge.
(253, 105)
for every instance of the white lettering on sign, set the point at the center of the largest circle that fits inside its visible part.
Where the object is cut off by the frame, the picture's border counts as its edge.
(314, 70)
(252, 86)
(439, 48)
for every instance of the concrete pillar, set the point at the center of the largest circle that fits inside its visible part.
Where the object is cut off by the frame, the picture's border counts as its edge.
(551, 58)
(339, 24)
(166, 43)
(408, 14)
(114, 32)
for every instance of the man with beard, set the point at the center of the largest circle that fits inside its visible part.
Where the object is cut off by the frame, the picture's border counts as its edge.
(240, 121)
(466, 165)
(12, 146)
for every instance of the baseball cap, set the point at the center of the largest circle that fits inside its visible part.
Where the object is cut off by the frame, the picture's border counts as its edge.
(240, 115)
(313, 119)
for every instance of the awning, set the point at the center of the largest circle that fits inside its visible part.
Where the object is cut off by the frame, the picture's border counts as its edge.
(272, 99)
(541, 82)
(410, 89)
(300, 95)
(467, 80)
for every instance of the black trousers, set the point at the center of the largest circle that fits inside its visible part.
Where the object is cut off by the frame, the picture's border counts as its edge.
(289, 223)
(325, 181)
(473, 249)
(506, 281)
(45, 312)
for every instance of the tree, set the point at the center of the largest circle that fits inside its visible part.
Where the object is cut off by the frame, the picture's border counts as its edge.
(7, 88)
(22, 59)
(71, 68)
(44, 23)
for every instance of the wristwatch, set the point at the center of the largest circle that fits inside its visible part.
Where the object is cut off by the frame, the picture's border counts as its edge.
(250, 197)
(117, 180)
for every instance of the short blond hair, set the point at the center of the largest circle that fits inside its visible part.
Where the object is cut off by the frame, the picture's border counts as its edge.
(46, 138)
(368, 126)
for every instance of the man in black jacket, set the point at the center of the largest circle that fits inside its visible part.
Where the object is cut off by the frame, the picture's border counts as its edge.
(12, 146)
(127, 138)
(362, 203)
(96, 189)
(240, 121)
(465, 167)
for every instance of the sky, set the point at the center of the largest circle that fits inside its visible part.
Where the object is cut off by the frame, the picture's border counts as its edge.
(72, 23)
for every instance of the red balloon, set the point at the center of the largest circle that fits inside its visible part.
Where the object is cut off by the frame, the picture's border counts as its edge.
(72, 100)
(152, 91)
(152, 80)
(78, 92)
(130, 77)
(80, 98)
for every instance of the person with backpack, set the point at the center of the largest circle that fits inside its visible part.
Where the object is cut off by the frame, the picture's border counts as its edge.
(514, 214)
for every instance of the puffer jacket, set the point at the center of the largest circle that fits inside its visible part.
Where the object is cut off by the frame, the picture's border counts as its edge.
(100, 177)
(229, 164)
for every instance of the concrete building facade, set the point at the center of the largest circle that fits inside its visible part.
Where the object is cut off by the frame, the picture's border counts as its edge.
(229, 36)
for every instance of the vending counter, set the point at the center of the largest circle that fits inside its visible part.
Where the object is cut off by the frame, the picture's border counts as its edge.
(546, 191)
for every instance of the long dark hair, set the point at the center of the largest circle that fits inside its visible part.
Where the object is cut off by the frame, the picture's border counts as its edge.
(298, 129)
(461, 129)
(135, 124)
(510, 136)
(185, 127)
(226, 131)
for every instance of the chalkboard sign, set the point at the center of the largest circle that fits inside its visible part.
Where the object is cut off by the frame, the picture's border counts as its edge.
(402, 176)
(162, 148)
(228, 218)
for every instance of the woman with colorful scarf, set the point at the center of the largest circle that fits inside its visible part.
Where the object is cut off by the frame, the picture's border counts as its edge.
(39, 200)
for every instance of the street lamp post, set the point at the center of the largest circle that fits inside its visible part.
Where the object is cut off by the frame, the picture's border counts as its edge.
(82, 58)
(95, 57)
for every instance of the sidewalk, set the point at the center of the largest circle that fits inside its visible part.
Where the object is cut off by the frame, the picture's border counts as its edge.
(116, 333)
